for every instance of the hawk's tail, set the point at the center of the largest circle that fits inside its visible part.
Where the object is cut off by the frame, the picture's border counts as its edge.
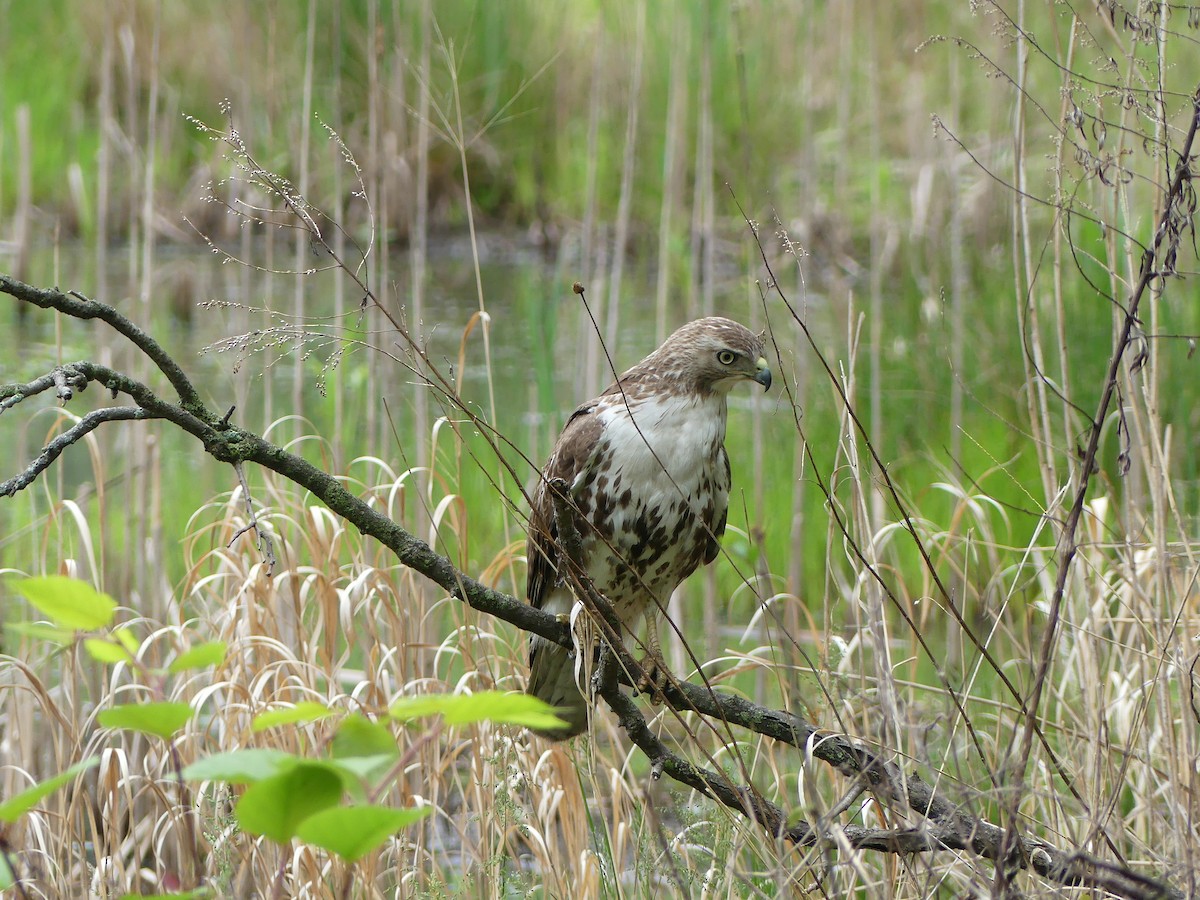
(552, 679)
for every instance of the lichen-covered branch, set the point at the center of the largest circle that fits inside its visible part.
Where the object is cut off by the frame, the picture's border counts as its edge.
(78, 306)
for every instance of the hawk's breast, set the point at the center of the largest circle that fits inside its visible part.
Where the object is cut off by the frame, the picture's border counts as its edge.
(655, 493)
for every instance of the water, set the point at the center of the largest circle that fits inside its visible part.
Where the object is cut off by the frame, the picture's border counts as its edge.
(262, 344)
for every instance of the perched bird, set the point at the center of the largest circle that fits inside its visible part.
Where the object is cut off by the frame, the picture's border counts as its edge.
(648, 481)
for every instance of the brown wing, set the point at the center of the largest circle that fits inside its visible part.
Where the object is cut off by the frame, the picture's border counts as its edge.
(570, 455)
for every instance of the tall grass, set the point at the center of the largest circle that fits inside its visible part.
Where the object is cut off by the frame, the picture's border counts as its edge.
(976, 398)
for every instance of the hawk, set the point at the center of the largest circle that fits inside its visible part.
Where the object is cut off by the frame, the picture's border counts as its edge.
(648, 478)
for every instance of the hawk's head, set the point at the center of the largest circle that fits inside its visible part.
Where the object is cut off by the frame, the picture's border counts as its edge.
(712, 355)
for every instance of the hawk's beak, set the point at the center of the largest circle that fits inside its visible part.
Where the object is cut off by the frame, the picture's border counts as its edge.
(763, 376)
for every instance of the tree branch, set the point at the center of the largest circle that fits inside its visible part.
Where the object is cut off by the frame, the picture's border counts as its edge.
(80, 307)
(54, 449)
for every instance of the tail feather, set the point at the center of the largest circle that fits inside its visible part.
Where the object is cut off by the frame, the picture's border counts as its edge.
(552, 679)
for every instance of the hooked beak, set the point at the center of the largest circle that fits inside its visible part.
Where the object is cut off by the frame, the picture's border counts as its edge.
(763, 376)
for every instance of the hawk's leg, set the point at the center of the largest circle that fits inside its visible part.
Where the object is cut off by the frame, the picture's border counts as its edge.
(655, 675)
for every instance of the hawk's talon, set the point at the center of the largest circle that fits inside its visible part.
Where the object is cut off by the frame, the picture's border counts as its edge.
(655, 674)
(654, 678)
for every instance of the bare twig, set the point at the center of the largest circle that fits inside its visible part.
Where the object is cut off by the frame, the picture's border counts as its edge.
(265, 545)
(77, 306)
(64, 379)
(1168, 231)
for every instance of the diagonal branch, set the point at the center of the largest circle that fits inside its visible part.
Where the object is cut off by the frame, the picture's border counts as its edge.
(1166, 231)
(943, 826)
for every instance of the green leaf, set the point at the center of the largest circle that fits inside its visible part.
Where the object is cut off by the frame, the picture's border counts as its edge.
(360, 769)
(127, 638)
(354, 831)
(106, 651)
(163, 719)
(241, 766)
(198, 657)
(6, 875)
(15, 807)
(502, 707)
(200, 893)
(363, 749)
(42, 631)
(358, 736)
(276, 806)
(305, 711)
(68, 602)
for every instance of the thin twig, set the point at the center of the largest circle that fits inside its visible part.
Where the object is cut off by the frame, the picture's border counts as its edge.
(1068, 545)
(263, 537)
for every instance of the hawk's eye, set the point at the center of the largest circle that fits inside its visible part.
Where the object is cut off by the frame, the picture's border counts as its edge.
(726, 357)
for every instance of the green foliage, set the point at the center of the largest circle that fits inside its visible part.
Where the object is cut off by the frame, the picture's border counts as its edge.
(286, 795)
(69, 602)
(163, 719)
(106, 651)
(809, 107)
(15, 807)
(358, 736)
(18, 805)
(486, 706)
(41, 631)
(62, 134)
(291, 796)
(276, 806)
(354, 831)
(244, 766)
(200, 656)
(303, 712)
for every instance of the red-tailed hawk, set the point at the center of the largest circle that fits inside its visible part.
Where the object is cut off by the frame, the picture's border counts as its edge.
(648, 474)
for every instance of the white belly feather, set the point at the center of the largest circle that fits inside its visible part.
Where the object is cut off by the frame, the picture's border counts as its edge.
(656, 491)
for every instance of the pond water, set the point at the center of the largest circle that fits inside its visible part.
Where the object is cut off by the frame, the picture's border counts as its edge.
(263, 342)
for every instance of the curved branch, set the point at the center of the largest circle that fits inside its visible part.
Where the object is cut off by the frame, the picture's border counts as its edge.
(65, 380)
(75, 433)
(943, 825)
(78, 306)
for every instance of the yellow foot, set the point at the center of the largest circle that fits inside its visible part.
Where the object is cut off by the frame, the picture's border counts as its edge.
(655, 676)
